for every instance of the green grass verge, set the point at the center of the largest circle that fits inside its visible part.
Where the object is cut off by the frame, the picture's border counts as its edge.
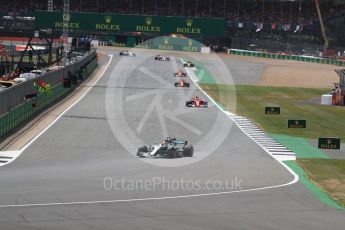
(295, 103)
(324, 177)
(329, 174)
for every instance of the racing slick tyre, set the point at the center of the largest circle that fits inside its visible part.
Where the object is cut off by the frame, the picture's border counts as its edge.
(205, 104)
(171, 153)
(189, 103)
(187, 84)
(176, 84)
(142, 149)
(188, 151)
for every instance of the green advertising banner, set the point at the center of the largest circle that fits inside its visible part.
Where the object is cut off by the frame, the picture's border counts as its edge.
(172, 43)
(114, 23)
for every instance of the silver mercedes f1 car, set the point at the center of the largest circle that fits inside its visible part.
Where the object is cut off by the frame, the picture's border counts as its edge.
(170, 148)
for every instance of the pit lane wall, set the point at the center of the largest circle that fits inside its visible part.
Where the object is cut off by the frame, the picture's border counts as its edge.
(16, 110)
(287, 57)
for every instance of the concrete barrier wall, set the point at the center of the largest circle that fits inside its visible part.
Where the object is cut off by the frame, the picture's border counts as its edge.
(15, 110)
(14, 96)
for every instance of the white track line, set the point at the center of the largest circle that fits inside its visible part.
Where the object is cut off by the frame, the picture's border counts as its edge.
(149, 198)
(8, 156)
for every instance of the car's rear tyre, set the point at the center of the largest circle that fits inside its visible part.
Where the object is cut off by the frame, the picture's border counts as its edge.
(187, 84)
(171, 153)
(143, 149)
(188, 151)
(176, 84)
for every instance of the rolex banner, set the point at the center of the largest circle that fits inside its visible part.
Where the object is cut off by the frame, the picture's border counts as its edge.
(297, 124)
(329, 143)
(272, 110)
(114, 23)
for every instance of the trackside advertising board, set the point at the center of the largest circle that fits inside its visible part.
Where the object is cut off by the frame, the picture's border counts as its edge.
(329, 143)
(272, 110)
(113, 23)
(295, 124)
(172, 43)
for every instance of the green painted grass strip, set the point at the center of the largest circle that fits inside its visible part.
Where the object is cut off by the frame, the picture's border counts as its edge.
(317, 192)
(300, 146)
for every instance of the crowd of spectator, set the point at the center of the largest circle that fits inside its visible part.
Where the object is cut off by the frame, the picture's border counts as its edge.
(279, 10)
(81, 43)
(237, 12)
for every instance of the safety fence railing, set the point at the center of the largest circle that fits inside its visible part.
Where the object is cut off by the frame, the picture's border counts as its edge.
(14, 96)
(22, 113)
(33, 106)
(287, 57)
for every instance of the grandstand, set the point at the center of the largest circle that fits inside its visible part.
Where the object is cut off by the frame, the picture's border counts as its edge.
(234, 10)
(272, 25)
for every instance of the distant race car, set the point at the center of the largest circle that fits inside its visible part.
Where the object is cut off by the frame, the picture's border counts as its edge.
(162, 58)
(196, 102)
(169, 148)
(127, 53)
(188, 64)
(181, 83)
(180, 73)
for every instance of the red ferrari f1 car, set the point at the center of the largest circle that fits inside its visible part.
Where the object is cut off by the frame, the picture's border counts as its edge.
(196, 102)
(180, 73)
(181, 83)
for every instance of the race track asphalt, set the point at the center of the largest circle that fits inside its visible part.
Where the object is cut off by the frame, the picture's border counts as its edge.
(63, 180)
